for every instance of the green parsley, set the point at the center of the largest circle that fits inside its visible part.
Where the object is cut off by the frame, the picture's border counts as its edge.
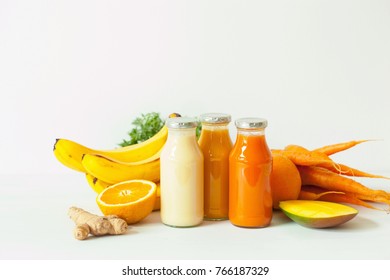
(146, 126)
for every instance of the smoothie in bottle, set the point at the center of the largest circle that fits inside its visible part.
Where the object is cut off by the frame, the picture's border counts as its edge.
(181, 180)
(250, 165)
(216, 145)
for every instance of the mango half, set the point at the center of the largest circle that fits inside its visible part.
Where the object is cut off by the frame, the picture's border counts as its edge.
(317, 214)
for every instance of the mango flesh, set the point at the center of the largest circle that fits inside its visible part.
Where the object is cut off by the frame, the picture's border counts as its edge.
(317, 214)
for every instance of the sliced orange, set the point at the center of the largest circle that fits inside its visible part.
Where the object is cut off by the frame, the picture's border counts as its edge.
(130, 200)
(157, 202)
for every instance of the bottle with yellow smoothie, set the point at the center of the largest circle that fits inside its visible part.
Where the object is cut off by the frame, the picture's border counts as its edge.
(181, 179)
(216, 145)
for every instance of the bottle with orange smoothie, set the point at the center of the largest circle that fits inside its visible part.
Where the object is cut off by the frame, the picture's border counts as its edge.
(216, 145)
(181, 180)
(250, 165)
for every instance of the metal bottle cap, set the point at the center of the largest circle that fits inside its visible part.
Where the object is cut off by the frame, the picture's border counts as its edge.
(251, 123)
(181, 122)
(215, 118)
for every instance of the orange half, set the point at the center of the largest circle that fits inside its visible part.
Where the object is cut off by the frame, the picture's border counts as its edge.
(130, 200)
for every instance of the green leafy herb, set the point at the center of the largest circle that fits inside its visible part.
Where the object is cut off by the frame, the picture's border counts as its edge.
(145, 126)
(198, 129)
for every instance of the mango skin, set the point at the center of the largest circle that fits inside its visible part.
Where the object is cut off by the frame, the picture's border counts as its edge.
(332, 220)
(320, 222)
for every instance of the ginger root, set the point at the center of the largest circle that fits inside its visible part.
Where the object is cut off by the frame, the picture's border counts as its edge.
(87, 223)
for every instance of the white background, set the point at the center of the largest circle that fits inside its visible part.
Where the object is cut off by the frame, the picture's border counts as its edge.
(319, 71)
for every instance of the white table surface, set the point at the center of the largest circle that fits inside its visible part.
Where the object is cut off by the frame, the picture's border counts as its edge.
(35, 225)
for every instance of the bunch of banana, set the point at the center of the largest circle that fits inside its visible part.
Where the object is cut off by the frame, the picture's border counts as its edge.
(71, 153)
(114, 171)
(106, 167)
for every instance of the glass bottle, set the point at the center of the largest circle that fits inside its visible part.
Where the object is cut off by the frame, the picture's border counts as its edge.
(181, 180)
(216, 145)
(250, 165)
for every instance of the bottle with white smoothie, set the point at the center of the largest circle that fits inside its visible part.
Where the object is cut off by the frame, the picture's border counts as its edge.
(181, 177)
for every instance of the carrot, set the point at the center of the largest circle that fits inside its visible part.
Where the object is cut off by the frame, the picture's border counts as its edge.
(301, 156)
(317, 176)
(335, 148)
(316, 193)
(349, 171)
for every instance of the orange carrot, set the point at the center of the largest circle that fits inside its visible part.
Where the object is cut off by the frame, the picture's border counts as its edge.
(349, 171)
(301, 156)
(335, 148)
(316, 193)
(317, 176)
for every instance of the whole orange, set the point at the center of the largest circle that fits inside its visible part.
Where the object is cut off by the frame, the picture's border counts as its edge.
(285, 180)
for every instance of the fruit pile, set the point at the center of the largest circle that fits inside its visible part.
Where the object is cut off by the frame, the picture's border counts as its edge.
(106, 170)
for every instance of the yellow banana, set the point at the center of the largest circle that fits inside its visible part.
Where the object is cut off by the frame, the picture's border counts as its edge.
(112, 171)
(70, 153)
(97, 185)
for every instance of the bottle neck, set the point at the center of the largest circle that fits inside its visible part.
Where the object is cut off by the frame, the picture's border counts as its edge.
(251, 144)
(174, 134)
(214, 127)
(250, 132)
